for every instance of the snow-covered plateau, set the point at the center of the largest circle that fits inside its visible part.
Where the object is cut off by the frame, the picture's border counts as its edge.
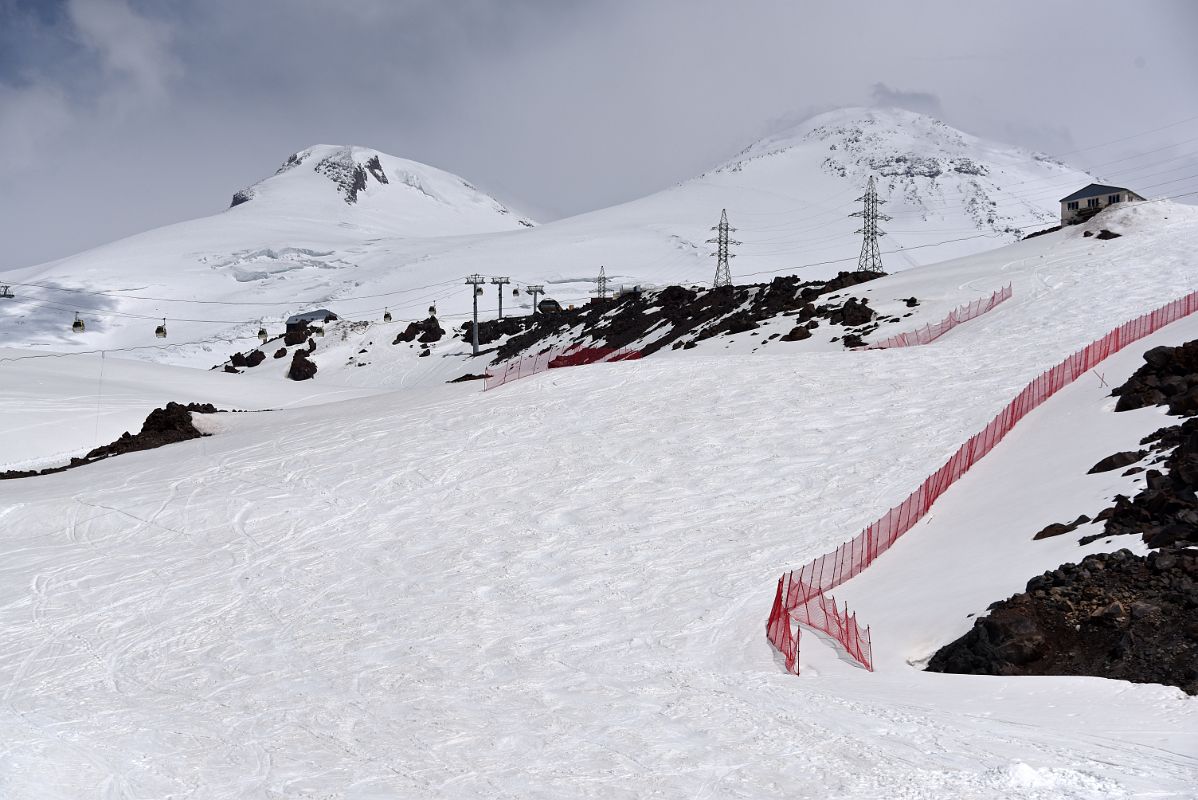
(385, 585)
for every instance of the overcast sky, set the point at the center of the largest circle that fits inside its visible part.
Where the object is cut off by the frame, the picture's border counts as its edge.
(121, 115)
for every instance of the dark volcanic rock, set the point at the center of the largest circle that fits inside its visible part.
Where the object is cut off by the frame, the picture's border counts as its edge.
(302, 368)
(1125, 459)
(467, 377)
(255, 358)
(852, 313)
(1105, 234)
(1057, 528)
(163, 426)
(1114, 615)
(296, 336)
(430, 330)
(797, 334)
(281, 352)
(1168, 377)
(680, 316)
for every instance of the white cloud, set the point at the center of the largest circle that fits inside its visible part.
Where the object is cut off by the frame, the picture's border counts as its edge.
(129, 46)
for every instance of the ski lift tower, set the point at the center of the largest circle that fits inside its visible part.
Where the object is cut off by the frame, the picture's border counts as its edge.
(535, 289)
(501, 282)
(476, 282)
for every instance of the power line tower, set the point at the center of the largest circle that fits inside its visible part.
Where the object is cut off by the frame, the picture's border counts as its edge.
(723, 276)
(870, 259)
(475, 282)
(601, 284)
(535, 290)
(500, 282)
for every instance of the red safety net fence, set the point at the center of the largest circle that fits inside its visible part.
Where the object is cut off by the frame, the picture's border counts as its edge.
(800, 597)
(553, 358)
(930, 333)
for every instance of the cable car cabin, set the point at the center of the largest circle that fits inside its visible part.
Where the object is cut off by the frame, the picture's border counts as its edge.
(549, 306)
(160, 331)
(77, 326)
(386, 316)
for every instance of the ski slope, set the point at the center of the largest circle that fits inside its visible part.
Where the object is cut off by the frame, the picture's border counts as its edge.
(559, 589)
(296, 244)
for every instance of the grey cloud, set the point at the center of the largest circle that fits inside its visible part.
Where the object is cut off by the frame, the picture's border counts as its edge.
(120, 115)
(919, 102)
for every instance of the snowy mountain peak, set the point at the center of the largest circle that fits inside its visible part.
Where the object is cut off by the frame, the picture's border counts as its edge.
(921, 161)
(323, 171)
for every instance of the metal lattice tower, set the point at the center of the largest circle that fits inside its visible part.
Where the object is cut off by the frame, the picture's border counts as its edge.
(601, 284)
(870, 259)
(535, 289)
(475, 281)
(501, 282)
(723, 275)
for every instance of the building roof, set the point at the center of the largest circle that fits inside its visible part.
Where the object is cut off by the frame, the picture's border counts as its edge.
(310, 316)
(1095, 189)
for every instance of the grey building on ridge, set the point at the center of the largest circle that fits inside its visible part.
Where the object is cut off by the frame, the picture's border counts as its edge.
(1085, 203)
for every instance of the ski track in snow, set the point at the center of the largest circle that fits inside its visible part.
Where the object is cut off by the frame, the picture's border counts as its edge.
(559, 589)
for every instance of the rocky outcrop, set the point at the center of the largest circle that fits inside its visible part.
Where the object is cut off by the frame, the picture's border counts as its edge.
(429, 330)
(1169, 377)
(1114, 615)
(302, 368)
(679, 316)
(163, 426)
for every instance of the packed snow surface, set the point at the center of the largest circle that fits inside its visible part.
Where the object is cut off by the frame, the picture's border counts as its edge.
(559, 588)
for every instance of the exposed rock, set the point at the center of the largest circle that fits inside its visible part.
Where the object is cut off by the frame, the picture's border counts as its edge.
(1118, 460)
(163, 426)
(467, 377)
(1057, 528)
(298, 335)
(302, 368)
(430, 330)
(255, 358)
(1169, 377)
(679, 314)
(281, 352)
(1114, 615)
(1105, 234)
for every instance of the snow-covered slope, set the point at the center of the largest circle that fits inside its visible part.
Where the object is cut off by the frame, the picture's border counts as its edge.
(299, 242)
(559, 588)
(331, 185)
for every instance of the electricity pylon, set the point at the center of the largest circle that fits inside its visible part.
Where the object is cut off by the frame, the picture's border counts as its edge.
(870, 259)
(723, 276)
(601, 284)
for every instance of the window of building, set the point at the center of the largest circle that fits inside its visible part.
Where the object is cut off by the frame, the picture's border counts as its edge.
(1092, 202)
(1115, 198)
(1071, 205)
